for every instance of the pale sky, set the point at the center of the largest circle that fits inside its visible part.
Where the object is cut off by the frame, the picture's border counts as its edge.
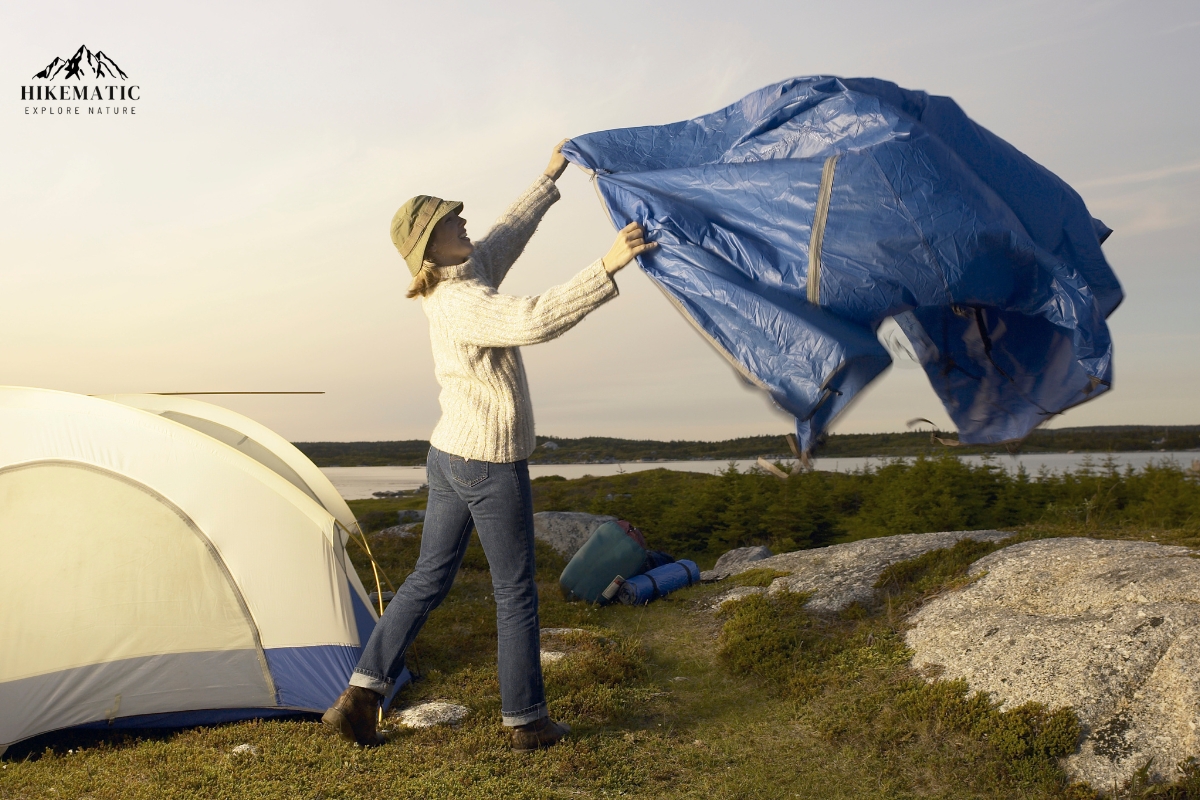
(233, 234)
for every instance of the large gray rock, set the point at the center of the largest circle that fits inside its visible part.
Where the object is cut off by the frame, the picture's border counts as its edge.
(842, 574)
(733, 560)
(566, 531)
(1110, 628)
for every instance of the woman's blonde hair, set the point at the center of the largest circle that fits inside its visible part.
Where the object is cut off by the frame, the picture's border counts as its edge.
(424, 281)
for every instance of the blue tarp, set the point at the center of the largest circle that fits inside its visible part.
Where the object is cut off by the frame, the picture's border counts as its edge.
(795, 221)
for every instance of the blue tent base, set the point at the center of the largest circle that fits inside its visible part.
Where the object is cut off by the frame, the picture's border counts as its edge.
(191, 719)
(217, 716)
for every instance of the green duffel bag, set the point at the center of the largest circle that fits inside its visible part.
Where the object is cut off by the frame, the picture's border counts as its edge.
(611, 552)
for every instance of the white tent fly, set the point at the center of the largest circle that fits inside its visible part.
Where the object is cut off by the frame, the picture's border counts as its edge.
(260, 443)
(151, 574)
(252, 438)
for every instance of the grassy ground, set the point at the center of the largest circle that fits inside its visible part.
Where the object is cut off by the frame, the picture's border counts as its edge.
(669, 700)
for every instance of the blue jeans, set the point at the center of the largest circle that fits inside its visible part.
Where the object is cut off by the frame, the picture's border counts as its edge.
(495, 499)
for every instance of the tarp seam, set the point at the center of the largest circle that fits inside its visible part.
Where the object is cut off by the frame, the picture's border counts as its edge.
(818, 229)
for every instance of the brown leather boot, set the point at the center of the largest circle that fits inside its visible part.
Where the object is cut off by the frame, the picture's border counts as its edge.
(354, 715)
(535, 735)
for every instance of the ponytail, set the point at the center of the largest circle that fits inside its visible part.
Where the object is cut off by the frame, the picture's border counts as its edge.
(424, 282)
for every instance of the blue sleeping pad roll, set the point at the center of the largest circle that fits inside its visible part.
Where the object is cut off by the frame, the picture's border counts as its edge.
(660, 581)
(609, 553)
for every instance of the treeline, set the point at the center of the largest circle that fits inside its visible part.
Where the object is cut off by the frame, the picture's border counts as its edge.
(598, 449)
(1098, 439)
(701, 516)
(408, 453)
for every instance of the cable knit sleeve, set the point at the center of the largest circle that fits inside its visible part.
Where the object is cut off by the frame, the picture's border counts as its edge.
(480, 316)
(498, 249)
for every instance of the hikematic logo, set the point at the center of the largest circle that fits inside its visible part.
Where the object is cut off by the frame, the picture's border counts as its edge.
(65, 82)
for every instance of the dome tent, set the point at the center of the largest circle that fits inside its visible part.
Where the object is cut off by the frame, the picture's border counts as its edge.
(263, 445)
(252, 438)
(152, 575)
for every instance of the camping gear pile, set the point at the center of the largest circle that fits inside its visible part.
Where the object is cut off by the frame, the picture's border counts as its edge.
(792, 223)
(615, 564)
(166, 562)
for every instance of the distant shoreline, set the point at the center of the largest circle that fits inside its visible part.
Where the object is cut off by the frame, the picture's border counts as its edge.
(786, 458)
(365, 483)
(606, 450)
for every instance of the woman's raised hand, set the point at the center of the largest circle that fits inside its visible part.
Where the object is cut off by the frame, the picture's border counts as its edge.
(558, 163)
(630, 242)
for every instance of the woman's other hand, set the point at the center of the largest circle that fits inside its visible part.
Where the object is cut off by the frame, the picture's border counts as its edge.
(630, 242)
(558, 164)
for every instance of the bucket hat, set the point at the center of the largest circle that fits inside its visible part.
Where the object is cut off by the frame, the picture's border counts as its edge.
(413, 223)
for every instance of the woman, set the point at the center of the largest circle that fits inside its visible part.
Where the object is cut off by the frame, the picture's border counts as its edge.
(477, 470)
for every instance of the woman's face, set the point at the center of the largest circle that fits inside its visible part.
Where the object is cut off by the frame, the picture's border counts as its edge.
(449, 243)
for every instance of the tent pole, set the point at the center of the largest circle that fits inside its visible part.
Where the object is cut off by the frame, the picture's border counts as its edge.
(374, 564)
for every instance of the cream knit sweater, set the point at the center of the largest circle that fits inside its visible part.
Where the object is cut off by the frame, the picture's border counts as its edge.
(476, 332)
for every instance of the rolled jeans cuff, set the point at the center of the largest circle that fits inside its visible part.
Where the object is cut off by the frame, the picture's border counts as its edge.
(365, 681)
(532, 714)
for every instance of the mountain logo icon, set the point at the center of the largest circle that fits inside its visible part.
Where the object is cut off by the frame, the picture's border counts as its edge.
(83, 64)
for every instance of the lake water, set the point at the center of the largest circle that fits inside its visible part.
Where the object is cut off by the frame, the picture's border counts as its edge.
(357, 483)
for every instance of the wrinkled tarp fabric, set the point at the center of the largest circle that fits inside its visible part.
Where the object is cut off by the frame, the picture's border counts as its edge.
(990, 263)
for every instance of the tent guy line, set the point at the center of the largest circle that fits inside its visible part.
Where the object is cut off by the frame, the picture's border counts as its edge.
(192, 394)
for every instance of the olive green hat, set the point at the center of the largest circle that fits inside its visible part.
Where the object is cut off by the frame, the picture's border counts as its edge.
(413, 223)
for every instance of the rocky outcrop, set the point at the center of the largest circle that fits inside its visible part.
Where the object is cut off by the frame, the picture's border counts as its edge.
(549, 633)
(735, 594)
(406, 531)
(566, 531)
(426, 715)
(733, 561)
(842, 574)
(1110, 628)
(387, 598)
(559, 643)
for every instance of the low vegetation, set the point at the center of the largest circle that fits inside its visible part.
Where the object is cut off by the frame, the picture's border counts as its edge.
(848, 679)
(763, 700)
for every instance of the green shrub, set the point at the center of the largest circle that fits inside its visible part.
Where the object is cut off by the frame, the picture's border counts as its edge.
(376, 520)
(937, 569)
(700, 516)
(593, 682)
(762, 636)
